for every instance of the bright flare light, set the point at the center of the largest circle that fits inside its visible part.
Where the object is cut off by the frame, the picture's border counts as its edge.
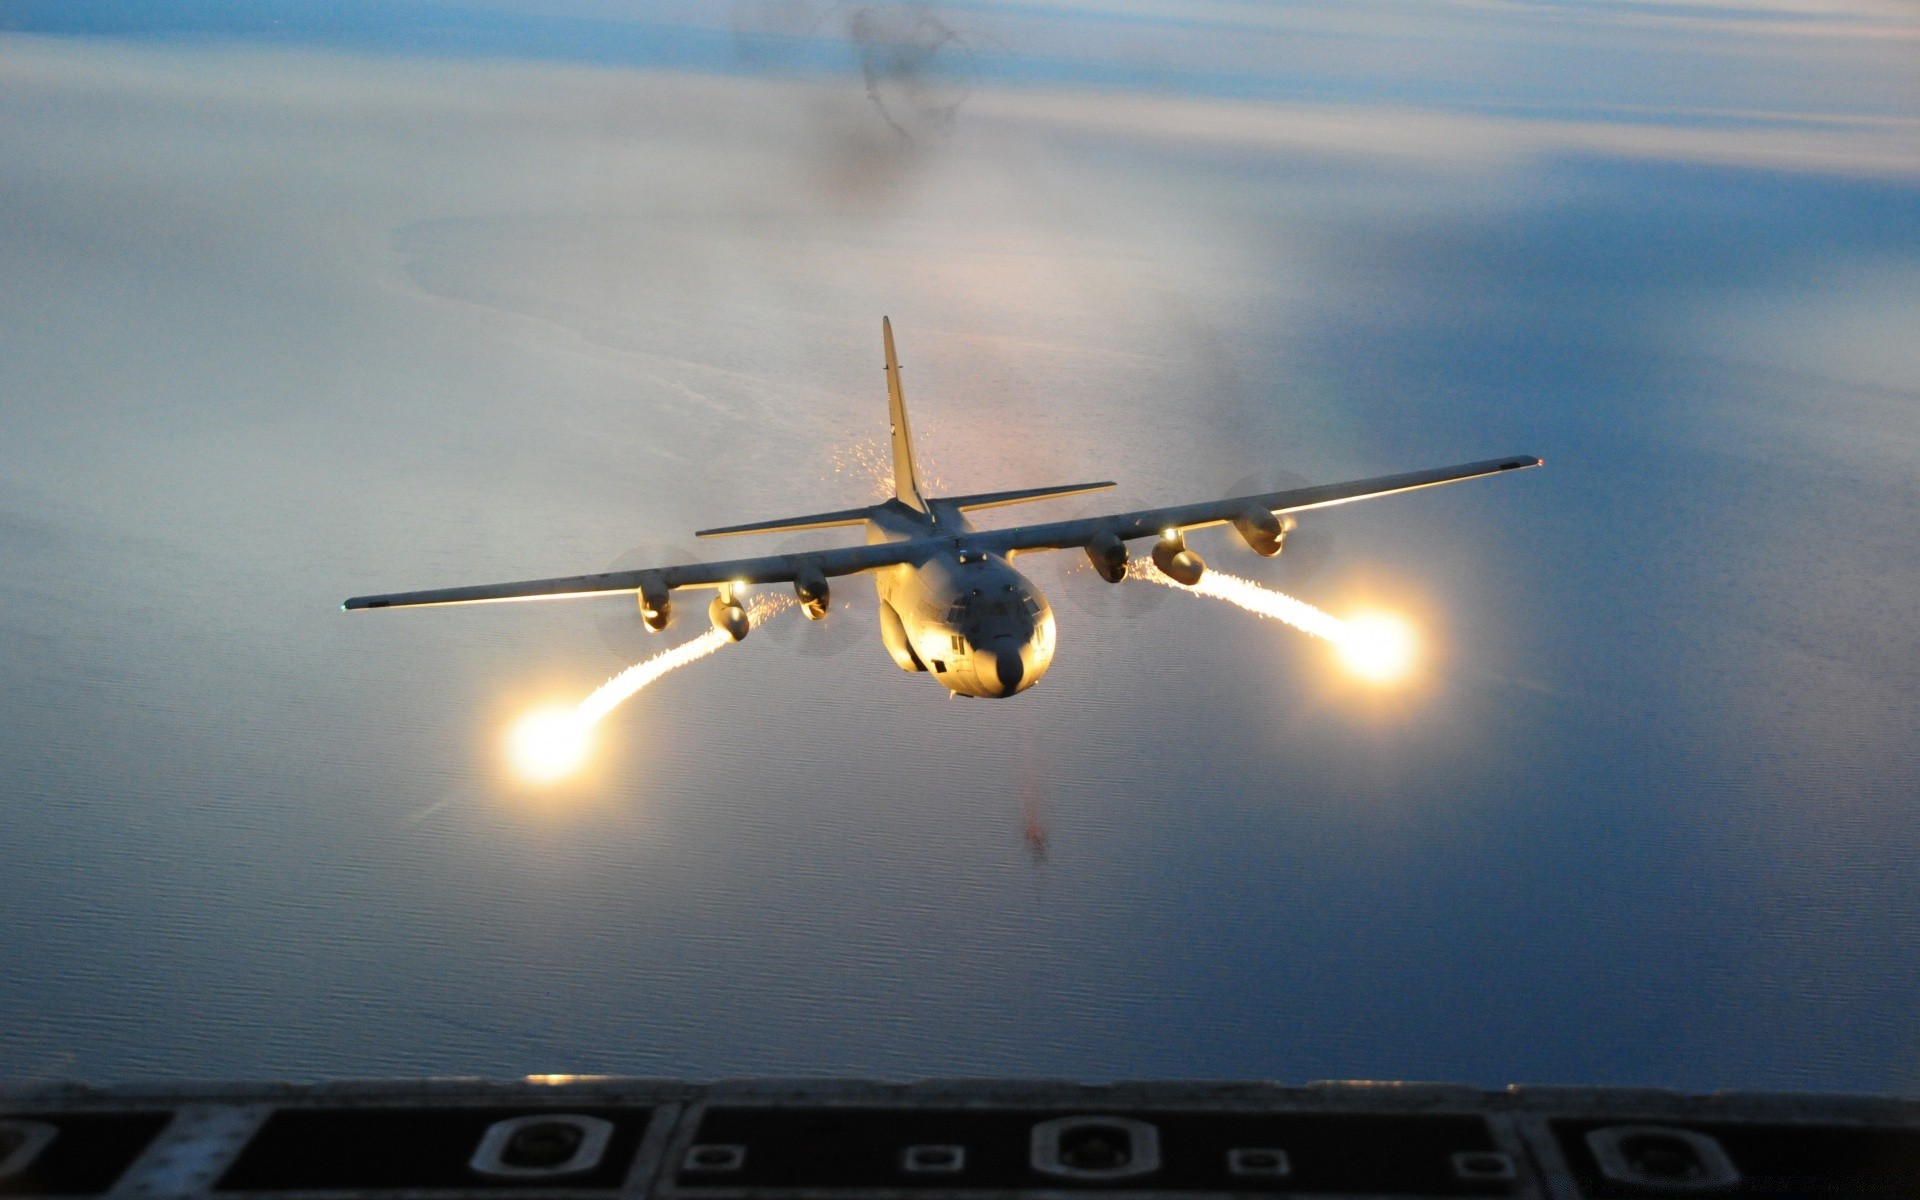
(549, 744)
(1375, 646)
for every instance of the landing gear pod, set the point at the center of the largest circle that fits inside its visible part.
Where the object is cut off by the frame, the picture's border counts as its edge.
(815, 597)
(894, 634)
(1264, 533)
(1108, 554)
(728, 616)
(1177, 562)
(656, 605)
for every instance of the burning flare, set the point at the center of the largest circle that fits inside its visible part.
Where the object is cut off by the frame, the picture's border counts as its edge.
(549, 744)
(1378, 647)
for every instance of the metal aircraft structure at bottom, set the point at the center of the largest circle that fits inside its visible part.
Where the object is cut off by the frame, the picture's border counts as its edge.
(951, 602)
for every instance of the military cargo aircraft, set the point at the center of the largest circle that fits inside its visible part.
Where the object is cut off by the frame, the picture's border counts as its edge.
(951, 602)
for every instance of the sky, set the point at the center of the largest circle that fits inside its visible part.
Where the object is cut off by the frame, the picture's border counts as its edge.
(309, 300)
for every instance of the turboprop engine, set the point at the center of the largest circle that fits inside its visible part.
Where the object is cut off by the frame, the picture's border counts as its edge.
(656, 605)
(815, 597)
(1177, 562)
(1108, 554)
(1263, 532)
(729, 616)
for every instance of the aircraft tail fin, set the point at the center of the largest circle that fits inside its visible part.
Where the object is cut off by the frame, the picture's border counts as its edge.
(906, 476)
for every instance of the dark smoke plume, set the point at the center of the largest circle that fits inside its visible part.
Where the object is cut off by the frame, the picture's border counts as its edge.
(914, 63)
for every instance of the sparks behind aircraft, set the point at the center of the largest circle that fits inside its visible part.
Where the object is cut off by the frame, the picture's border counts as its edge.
(951, 602)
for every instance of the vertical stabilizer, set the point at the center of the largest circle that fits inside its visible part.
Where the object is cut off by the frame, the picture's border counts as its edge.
(906, 477)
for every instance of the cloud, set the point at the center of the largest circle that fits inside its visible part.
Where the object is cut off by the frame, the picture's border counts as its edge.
(1841, 56)
(1810, 142)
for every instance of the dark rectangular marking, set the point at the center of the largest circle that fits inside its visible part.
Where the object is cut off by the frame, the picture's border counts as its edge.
(88, 1155)
(1776, 1160)
(429, 1148)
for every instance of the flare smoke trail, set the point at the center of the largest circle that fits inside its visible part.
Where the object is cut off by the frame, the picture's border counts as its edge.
(549, 744)
(1251, 596)
(616, 691)
(1378, 647)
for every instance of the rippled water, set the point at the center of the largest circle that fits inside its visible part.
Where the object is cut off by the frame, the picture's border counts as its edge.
(278, 331)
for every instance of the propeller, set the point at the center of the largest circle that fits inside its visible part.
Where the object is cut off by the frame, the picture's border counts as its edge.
(1077, 585)
(850, 614)
(618, 617)
(1309, 547)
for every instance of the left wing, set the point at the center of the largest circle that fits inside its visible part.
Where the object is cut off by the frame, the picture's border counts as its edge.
(1152, 522)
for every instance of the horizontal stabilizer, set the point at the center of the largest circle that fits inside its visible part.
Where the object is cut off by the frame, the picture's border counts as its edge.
(846, 516)
(1022, 495)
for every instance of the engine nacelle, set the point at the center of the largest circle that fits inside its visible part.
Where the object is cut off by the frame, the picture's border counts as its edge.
(656, 605)
(729, 616)
(1108, 554)
(1264, 533)
(815, 597)
(893, 633)
(1177, 562)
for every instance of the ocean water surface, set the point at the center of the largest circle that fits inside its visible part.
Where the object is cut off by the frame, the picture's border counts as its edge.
(283, 326)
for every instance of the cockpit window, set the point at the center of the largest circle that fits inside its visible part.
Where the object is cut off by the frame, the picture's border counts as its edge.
(982, 607)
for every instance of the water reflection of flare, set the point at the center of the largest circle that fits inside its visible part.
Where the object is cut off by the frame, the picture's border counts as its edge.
(1033, 815)
(551, 743)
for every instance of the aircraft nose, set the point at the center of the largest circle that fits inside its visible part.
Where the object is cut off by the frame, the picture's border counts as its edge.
(1000, 661)
(1009, 668)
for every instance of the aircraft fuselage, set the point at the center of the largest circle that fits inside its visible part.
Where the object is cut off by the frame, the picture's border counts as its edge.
(963, 615)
